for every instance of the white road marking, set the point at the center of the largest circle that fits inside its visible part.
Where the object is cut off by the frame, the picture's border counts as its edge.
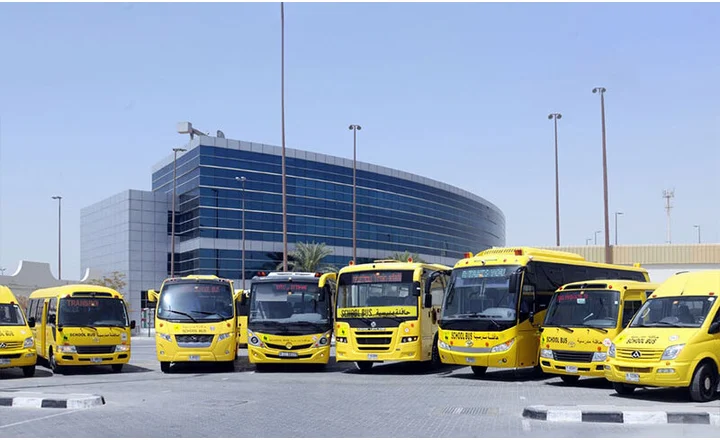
(526, 425)
(63, 413)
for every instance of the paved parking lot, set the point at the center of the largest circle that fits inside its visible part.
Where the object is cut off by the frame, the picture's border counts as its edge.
(395, 400)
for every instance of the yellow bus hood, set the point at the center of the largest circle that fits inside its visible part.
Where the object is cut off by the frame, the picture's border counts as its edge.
(653, 337)
(580, 339)
(88, 336)
(377, 312)
(16, 333)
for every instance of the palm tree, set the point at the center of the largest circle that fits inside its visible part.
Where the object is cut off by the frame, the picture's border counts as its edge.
(307, 257)
(403, 256)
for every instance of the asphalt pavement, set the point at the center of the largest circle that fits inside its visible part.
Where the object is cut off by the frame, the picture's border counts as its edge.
(393, 400)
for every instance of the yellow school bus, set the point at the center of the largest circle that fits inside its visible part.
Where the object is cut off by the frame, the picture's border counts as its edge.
(497, 299)
(581, 322)
(195, 321)
(17, 345)
(242, 308)
(673, 340)
(388, 311)
(291, 317)
(79, 325)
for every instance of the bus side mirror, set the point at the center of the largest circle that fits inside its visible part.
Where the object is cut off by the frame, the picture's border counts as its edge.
(243, 299)
(31, 322)
(152, 296)
(514, 282)
(416, 288)
(132, 325)
(714, 328)
(531, 317)
(428, 300)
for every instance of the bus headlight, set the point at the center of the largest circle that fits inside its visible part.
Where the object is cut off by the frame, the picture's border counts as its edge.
(119, 348)
(341, 339)
(224, 336)
(409, 339)
(503, 347)
(66, 349)
(611, 351)
(599, 356)
(546, 353)
(29, 342)
(254, 340)
(323, 341)
(672, 352)
(165, 336)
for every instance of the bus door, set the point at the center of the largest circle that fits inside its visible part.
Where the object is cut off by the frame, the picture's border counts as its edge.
(528, 337)
(630, 303)
(42, 329)
(328, 289)
(50, 317)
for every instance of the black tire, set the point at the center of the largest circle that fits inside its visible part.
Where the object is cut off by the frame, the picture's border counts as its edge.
(623, 389)
(569, 379)
(364, 366)
(704, 383)
(56, 369)
(479, 371)
(229, 366)
(261, 367)
(165, 367)
(116, 368)
(29, 371)
(435, 361)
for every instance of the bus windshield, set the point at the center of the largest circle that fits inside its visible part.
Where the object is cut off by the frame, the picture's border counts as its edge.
(95, 312)
(376, 289)
(676, 311)
(192, 301)
(10, 315)
(481, 293)
(287, 302)
(583, 308)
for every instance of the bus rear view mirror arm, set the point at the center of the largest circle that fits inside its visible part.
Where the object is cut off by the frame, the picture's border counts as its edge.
(714, 328)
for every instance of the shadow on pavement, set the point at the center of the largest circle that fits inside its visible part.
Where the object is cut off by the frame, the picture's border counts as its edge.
(16, 373)
(662, 395)
(508, 375)
(402, 369)
(596, 383)
(93, 370)
(331, 366)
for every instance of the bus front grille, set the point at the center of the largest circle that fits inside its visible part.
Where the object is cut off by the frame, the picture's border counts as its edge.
(285, 347)
(194, 341)
(572, 356)
(373, 341)
(95, 349)
(11, 345)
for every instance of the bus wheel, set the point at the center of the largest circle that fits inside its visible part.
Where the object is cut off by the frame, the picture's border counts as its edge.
(479, 371)
(29, 371)
(165, 367)
(56, 369)
(116, 368)
(230, 366)
(364, 366)
(435, 361)
(569, 379)
(623, 389)
(704, 381)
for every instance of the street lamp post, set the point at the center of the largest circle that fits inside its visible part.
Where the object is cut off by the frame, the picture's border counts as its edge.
(596, 233)
(59, 199)
(617, 213)
(242, 179)
(587, 241)
(172, 220)
(354, 129)
(608, 254)
(698, 231)
(282, 110)
(555, 117)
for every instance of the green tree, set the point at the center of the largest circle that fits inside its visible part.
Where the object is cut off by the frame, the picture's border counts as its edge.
(307, 257)
(116, 280)
(403, 256)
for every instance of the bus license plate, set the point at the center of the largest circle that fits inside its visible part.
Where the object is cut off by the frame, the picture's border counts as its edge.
(571, 369)
(470, 360)
(194, 357)
(372, 357)
(632, 377)
(288, 354)
(4, 361)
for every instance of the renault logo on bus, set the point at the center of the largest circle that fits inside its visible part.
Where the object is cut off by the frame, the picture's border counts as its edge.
(635, 354)
(288, 345)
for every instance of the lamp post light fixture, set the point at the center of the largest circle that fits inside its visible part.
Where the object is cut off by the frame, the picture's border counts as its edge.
(596, 233)
(59, 199)
(242, 180)
(698, 232)
(555, 117)
(617, 213)
(354, 129)
(172, 215)
(282, 111)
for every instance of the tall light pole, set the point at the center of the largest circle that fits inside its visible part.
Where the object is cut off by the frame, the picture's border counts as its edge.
(354, 129)
(555, 117)
(587, 241)
(172, 221)
(59, 199)
(596, 233)
(282, 109)
(698, 231)
(608, 253)
(242, 179)
(617, 213)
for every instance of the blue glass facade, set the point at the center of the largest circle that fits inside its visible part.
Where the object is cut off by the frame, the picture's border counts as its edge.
(393, 213)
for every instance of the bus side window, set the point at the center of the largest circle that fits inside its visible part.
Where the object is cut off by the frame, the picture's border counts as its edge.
(51, 312)
(630, 308)
(436, 290)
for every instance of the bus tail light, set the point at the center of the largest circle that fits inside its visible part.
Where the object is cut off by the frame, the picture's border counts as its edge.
(518, 252)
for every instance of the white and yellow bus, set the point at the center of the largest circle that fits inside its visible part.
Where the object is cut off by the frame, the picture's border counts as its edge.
(497, 300)
(388, 311)
(196, 321)
(80, 325)
(17, 345)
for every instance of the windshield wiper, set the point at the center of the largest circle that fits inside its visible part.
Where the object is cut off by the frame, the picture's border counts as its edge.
(78, 325)
(669, 324)
(560, 326)
(182, 313)
(604, 330)
(224, 318)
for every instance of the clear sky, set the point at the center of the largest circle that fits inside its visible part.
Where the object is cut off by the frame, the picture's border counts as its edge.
(90, 95)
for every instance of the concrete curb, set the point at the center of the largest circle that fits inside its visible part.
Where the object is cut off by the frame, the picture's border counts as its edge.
(574, 414)
(40, 400)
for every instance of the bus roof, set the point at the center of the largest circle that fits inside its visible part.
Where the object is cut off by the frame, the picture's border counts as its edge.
(701, 283)
(6, 296)
(57, 291)
(295, 276)
(393, 265)
(198, 278)
(610, 285)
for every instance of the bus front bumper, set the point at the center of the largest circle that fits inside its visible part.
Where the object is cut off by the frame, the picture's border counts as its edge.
(478, 357)
(218, 351)
(75, 359)
(403, 352)
(585, 369)
(23, 357)
(264, 355)
(654, 374)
